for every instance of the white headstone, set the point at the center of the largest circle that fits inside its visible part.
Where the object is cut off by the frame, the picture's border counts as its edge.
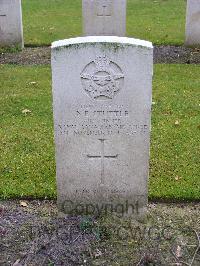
(104, 17)
(11, 31)
(193, 23)
(102, 105)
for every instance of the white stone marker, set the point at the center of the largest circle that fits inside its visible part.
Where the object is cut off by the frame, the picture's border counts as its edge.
(104, 17)
(102, 105)
(11, 31)
(193, 23)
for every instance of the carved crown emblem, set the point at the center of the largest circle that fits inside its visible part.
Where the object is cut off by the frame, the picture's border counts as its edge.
(102, 78)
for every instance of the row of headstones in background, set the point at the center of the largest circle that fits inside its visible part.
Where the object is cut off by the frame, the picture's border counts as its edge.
(100, 17)
(11, 28)
(108, 17)
(103, 17)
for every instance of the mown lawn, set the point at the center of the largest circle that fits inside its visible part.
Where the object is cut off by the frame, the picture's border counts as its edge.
(175, 149)
(160, 21)
(27, 166)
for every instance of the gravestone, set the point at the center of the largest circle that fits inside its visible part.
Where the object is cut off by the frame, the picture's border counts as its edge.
(104, 17)
(11, 32)
(193, 23)
(102, 105)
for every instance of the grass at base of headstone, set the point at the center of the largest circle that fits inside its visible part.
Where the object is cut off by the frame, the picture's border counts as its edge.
(12, 49)
(27, 166)
(161, 21)
(175, 146)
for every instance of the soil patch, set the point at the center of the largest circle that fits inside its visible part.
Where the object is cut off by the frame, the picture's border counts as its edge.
(33, 234)
(28, 56)
(176, 55)
(162, 54)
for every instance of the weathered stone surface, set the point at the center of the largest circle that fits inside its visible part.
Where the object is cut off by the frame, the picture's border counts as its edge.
(104, 17)
(102, 105)
(11, 29)
(193, 23)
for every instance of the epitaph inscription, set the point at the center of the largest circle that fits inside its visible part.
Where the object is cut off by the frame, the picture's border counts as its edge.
(102, 79)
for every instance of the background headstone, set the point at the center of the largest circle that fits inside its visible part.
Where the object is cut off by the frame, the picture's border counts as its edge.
(102, 105)
(193, 23)
(11, 29)
(104, 17)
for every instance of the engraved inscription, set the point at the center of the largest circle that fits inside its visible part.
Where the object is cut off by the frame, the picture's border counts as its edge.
(110, 128)
(102, 79)
(104, 8)
(88, 120)
(102, 157)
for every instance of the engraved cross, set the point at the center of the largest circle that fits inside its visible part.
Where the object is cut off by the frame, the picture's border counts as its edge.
(104, 9)
(102, 157)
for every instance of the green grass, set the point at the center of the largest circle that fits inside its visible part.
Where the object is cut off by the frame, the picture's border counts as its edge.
(175, 150)
(160, 21)
(50, 20)
(27, 166)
